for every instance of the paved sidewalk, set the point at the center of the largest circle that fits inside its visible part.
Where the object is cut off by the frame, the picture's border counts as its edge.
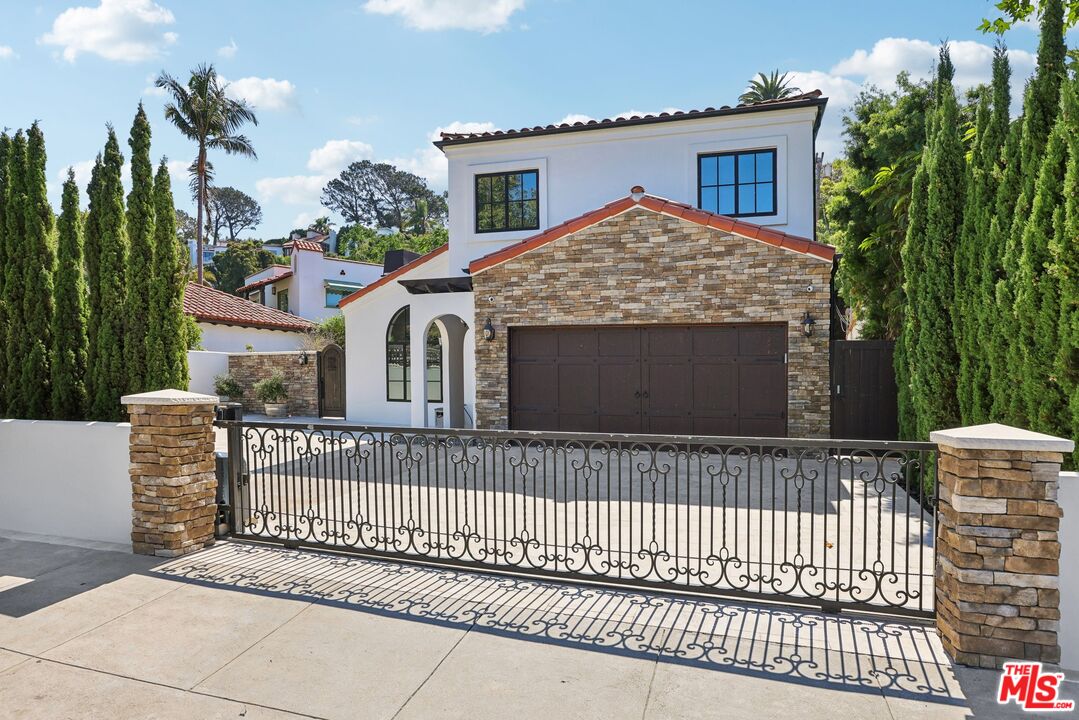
(263, 632)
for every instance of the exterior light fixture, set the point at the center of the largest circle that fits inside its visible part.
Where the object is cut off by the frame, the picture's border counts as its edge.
(488, 331)
(807, 324)
(303, 358)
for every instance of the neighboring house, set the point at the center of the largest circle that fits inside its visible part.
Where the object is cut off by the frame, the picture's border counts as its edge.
(569, 298)
(232, 324)
(311, 285)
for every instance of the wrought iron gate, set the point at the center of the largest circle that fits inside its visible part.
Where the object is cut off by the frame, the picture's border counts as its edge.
(823, 522)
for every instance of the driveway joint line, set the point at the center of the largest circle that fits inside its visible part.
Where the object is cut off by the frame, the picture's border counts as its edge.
(433, 671)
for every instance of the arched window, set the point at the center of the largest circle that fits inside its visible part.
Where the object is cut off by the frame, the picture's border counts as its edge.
(398, 360)
(398, 382)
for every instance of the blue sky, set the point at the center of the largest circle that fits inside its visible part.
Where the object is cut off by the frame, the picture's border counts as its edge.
(335, 81)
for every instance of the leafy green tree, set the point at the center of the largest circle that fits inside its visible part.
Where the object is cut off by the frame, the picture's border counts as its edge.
(322, 225)
(768, 87)
(15, 211)
(69, 318)
(1065, 271)
(140, 232)
(239, 260)
(913, 267)
(5, 151)
(353, 242)
(380, 195)
(108, 374)
(233, 211)
(203, 113)
(865, 206)
(1016, 11)
(166, 346)
(356, 242)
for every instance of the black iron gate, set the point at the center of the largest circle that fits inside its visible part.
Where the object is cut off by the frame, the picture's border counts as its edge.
(821, 522)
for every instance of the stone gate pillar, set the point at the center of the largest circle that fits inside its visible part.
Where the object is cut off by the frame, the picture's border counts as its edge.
(173, 483)
(997, 584)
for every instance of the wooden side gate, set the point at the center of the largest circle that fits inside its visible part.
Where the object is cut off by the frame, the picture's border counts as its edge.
(864, 395)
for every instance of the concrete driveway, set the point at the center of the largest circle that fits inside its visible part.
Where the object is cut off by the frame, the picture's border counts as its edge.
(252, 631)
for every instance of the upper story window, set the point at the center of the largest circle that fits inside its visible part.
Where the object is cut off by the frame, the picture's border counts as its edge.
(737, 183)
(507, 201)
(334, 296)
(282, 300)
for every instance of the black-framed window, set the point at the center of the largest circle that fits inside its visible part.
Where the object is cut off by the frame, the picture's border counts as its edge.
(399, 363)
(741, 184)
(282, 300)
(507, 201)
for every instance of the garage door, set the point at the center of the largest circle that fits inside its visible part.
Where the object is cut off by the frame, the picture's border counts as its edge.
(692, 379)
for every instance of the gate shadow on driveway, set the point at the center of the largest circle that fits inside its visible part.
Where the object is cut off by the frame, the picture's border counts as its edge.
(854, 653)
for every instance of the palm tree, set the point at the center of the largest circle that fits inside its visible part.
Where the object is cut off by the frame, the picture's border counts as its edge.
(322, 225)
(768, 87)
(203, 113)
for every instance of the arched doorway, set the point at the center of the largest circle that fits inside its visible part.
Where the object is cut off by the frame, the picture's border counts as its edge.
(443, 369)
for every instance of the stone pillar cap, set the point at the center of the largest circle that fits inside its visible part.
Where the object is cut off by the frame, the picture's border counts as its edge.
(169, 397)
(994, 436)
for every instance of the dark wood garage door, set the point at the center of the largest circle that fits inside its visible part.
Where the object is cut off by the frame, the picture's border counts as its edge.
(695, 379)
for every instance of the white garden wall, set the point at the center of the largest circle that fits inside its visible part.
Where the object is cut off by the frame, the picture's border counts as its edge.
(1068, 497)
(66, 479)
(203, 366)
(233, 338)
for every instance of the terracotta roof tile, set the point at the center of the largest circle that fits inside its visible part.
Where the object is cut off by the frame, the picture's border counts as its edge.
(804, 99)
(304, 245)
(208, 305)
(688, 213)
(264, 281)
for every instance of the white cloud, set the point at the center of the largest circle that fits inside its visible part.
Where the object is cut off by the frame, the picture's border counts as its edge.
(228, 51)
(291, 190)
(82, 175)
(6, 53)
(574, 118)
(304, 219)
(122, 30)
(458, 126)
(429, 163)
(480, 15)
(262, 93)
(335, 156)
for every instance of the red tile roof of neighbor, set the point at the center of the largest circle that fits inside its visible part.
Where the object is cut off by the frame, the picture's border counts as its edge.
(808, 99)
(208, 305)
(264, 281)
(389, 277)
(666, 207)
(305, 245)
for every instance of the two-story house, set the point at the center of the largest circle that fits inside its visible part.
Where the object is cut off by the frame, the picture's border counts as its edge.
(309, 284)
(653, 274)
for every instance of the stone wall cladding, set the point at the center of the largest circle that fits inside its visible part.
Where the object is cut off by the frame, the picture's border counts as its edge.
(174, 486)
(643, 267)
(998, 592)
(301, 381)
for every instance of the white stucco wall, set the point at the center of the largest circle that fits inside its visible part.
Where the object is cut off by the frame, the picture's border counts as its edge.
(232, 338)
(1068, 497)
(203, 366)
(582, 171)
(310, 271)
(366, 321)
(67, 479)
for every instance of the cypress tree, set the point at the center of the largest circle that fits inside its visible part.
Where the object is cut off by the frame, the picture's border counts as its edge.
(92, 252)
(1065, 271)
(1037, 299)
(69, 317)
(140, 230)
(108, 372)
(5, 148)
(14, 277)
(934, 380)
(38, 268)
(967, 261)
(913, 272)
(991, 145)
(1001, 325)
(166, 350)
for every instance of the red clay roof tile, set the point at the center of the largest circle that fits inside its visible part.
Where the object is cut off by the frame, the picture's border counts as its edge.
(264, 281)
(208, 305)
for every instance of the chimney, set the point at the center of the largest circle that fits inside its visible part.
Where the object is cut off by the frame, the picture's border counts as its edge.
(394, 259)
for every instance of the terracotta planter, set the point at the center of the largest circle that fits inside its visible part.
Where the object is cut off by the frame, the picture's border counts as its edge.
(277, 409)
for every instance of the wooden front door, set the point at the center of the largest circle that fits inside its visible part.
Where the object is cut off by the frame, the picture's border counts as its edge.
(332, 381)
(678, 379)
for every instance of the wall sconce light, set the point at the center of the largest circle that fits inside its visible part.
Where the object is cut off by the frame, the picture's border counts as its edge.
(303, 358)
(488, 331)
(807, 324)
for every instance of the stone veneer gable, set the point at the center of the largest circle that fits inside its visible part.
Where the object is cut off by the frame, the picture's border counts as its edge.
(643, 267)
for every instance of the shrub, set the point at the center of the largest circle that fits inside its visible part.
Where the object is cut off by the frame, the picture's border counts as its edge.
(226, 385)
(271, 389)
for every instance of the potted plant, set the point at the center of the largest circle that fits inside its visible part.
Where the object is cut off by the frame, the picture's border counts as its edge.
(227, 387)
(271, 393)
